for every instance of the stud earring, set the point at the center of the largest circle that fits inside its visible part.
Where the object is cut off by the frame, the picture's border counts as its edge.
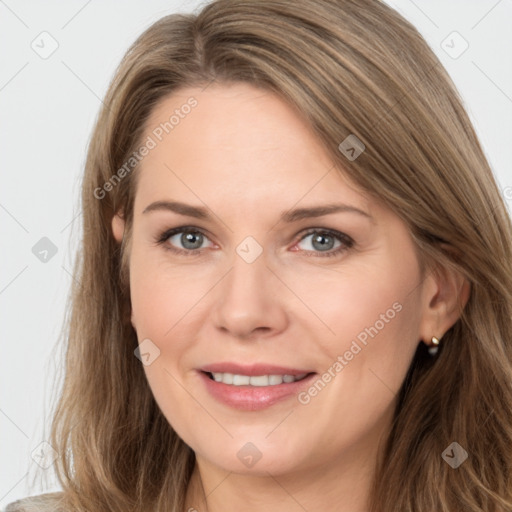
(434, 347)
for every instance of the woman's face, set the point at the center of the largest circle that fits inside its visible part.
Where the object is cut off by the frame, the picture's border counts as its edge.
(258, 285)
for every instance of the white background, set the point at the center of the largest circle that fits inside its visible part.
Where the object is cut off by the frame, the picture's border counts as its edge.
(48, 108)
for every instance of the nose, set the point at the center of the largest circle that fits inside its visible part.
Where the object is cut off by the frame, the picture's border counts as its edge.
(250, 301)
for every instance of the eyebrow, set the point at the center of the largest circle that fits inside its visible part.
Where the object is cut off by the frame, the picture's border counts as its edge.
(286, 216)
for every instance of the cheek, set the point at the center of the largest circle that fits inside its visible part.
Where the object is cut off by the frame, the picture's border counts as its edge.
(376, 319)
(370, 315)
(361, 302)
(161, 303)
(161, 295)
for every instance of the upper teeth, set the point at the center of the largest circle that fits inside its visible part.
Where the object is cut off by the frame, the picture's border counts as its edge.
(256, 380)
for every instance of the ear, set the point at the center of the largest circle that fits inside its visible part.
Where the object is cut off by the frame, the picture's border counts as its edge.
(118, 226)
(445, 294)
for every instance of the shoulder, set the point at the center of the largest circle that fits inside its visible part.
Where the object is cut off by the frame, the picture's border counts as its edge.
(41, 503)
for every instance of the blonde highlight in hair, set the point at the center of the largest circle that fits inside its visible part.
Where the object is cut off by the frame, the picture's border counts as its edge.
(348, 67)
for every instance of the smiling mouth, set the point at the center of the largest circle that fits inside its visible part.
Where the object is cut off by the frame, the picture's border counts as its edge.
(234, 379)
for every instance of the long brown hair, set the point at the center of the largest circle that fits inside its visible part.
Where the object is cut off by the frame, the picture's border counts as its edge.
(348, 67)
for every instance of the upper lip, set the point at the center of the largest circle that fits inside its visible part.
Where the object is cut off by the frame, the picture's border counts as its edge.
(252, 370)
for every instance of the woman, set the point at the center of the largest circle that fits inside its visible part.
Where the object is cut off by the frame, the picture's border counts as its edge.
(217, 359)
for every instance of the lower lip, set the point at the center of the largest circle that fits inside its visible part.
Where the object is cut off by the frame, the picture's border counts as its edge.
(253, 398)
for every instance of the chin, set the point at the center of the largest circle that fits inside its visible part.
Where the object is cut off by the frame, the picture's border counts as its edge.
(254, 458)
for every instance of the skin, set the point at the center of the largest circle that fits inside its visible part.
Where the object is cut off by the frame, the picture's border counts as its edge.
(248, 156)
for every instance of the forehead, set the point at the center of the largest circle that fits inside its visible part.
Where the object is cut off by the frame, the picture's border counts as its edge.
(241, 144)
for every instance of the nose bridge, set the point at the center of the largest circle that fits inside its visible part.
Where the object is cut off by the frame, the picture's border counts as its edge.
(249, 273)
(246, 300)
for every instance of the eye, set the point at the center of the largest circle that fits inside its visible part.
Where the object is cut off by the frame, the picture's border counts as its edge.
(324, 241)
(190, 238)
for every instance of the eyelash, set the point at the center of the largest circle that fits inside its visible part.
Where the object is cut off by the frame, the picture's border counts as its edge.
(346, 241)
